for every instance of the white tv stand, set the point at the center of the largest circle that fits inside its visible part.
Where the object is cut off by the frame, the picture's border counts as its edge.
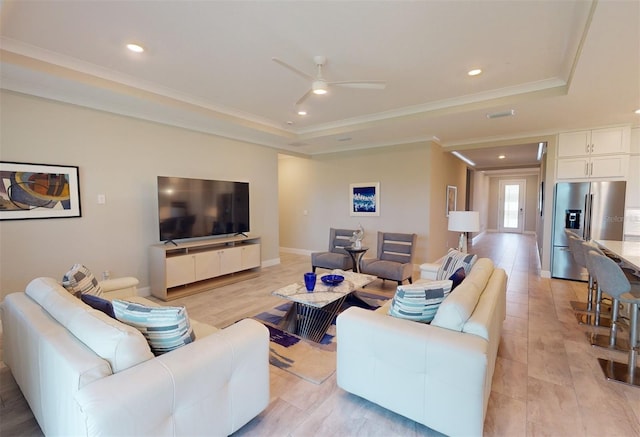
(195, 266)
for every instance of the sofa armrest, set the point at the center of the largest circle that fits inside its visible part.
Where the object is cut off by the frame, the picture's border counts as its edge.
(212, 386)
(429, 270)
(119, 288)
(432, 375)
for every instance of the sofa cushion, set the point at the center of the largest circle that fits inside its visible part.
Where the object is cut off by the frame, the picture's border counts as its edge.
(165, 328)
(98, 303)
(453, 261)
(121, 345)
(79, 280)
(419, 302)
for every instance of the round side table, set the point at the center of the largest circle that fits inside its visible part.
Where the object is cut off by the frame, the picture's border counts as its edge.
(356, 256)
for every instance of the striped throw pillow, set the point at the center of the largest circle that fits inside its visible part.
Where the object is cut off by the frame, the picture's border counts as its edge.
(453, 261)
(79, 280)
(165, 328)
(419, 302)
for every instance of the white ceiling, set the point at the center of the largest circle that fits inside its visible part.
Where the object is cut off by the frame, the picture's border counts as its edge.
(208, 66)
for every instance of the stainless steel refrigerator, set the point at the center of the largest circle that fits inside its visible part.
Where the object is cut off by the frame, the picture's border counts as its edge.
(592, 211)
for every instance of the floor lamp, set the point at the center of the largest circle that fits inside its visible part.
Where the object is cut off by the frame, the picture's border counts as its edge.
(463, 222)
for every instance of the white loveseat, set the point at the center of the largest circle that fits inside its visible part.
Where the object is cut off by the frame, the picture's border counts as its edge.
(437, 374)
(84, 373)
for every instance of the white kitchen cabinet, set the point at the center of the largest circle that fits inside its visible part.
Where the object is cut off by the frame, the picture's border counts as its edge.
(593, 154)
(614, 166)
(593, 142)
(191, 267)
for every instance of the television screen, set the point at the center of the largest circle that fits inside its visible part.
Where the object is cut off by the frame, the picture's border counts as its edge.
(191, 208)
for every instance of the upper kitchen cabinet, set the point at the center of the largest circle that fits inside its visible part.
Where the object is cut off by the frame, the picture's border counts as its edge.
(593, 142)
(594, 154)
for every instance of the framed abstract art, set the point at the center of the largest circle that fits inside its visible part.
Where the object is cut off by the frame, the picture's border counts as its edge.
(38, 191)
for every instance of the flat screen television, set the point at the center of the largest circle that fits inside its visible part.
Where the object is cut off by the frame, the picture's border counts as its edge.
(193, 208)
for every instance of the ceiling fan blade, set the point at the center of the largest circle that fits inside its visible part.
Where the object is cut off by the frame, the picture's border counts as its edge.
(292, 68)
(304, 97)
(364, 84)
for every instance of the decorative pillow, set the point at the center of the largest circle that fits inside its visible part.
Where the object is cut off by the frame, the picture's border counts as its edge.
(98, 303)
(457, 277)
(79, 280)
(165, 328)
(453, 261)
(419, 302)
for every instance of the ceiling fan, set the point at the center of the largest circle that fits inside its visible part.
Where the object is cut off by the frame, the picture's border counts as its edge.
(319, 85)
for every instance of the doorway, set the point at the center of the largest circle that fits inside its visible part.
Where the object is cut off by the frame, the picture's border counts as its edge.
(511, 205)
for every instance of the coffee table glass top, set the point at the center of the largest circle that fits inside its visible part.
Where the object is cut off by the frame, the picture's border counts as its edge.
(323, 294)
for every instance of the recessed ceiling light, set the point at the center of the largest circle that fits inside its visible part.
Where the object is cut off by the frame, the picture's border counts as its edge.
(501, 156)
(302, 112)
(637, 111)
(136, 48)
(474, 72)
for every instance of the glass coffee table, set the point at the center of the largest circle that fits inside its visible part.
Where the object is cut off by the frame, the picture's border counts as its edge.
(312, 312)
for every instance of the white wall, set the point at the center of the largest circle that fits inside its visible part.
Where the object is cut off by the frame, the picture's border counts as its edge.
(119, 157)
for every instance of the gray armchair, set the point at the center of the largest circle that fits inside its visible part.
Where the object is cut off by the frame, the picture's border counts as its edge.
(336, 257)
(395, 257)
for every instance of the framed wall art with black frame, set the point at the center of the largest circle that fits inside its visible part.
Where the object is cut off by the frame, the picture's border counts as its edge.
(38, 191)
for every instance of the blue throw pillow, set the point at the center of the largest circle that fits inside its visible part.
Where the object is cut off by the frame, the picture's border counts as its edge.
(99, 304)
(457, 277)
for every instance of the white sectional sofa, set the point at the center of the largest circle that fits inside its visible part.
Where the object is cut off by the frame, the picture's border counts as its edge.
(438, 374)
(86, 374)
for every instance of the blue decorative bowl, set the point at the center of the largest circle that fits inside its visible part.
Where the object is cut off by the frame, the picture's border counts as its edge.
(332, 279)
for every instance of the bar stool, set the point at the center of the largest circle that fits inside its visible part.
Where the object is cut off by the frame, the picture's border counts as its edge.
(594, 312)
(611, 340)
(578, 256)
(613, 281)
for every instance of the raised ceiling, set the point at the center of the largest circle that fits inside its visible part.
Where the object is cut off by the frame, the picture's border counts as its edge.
(560, 65)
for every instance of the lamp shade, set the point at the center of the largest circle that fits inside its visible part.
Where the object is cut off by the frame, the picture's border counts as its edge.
(464, 221)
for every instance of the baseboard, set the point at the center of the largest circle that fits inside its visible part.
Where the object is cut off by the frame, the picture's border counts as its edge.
(297, 251)
(271, 262)
(524, 232)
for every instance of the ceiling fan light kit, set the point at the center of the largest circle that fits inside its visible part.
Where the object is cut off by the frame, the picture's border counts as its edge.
(319, 87)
